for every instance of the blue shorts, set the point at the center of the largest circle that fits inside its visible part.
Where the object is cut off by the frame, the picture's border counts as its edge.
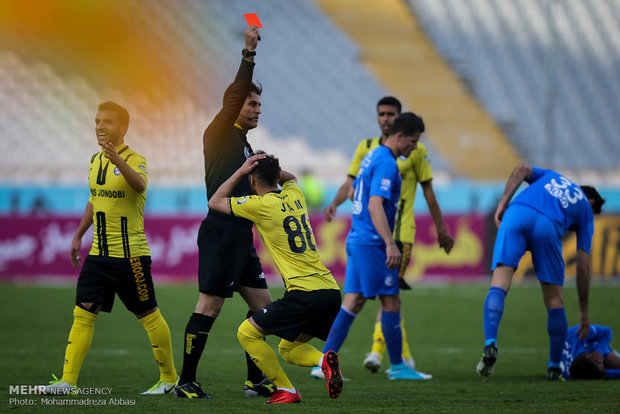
(523, 228)
(367, 273)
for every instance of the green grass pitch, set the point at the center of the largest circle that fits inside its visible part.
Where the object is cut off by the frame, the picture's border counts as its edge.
(444, 326)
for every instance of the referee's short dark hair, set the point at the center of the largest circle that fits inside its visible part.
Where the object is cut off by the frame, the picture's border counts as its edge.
(408, 123)
(113, 106)
(390, 100)
(268, 170)
(257, 88)
(592, 194)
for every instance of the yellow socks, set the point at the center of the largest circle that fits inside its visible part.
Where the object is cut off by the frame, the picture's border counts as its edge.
(300, 353)
(80, 338)
(159, 334)
(263, 356)
(378, 342)
(406, 352)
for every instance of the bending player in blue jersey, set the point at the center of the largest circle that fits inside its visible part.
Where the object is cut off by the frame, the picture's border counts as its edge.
(536, 221)
(591, 357)
(372, 255)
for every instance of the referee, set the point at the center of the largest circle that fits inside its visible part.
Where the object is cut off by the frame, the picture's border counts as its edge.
(227, 259)
(119, 261)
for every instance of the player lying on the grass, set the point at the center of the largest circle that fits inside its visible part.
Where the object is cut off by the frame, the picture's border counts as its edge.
(119, 261)
(591, 357)
(536, 221)
(312, 298)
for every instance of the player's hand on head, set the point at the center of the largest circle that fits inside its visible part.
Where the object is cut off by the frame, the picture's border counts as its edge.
(251, 163)
(251, 37)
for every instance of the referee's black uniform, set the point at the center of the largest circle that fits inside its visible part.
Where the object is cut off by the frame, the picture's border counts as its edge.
(227, 256)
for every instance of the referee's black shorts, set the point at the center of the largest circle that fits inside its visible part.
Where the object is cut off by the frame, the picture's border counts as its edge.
(103, 277)
(227, 257)
(297, 312)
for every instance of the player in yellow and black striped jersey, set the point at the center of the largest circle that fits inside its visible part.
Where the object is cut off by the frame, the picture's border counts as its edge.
(312, 298)
(413, 170)
(119, 261)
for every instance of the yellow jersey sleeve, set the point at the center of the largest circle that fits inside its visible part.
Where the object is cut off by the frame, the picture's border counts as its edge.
(281, 219)
(414, 169)
(360, 152)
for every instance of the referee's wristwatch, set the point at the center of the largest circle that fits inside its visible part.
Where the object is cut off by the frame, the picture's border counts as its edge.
(246, 53)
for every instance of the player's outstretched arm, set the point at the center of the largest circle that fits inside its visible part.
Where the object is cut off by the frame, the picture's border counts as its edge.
(583, 291)
(219, 200)
(76, 243)
(379, 220)
(341, 195)
(443, 236)
(518, 175)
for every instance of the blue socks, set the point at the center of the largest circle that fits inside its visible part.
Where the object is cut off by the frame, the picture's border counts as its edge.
(493, 310)
(556, 327)
(393, 334)
(339, 330)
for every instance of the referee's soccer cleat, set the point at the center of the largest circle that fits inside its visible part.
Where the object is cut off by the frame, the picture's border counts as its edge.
(317, 373)
(333, 376)
(160, 387)
(372, 362)
(190, 390)
(265, 388)
(284, 397)
(554, 374)
(58, 387)
(486, 366)
(403, 372)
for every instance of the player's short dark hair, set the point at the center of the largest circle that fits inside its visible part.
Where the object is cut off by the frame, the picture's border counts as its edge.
(113, 106)
(257, 88)
(390, 100)
(591, 193)
(408, 123)
(584, 368)
(267, 171)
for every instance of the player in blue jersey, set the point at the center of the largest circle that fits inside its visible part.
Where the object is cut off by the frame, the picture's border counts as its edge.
(372, 255)
(536, 221)
(591, 357)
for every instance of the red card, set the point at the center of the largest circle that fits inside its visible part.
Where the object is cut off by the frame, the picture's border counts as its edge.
(252, 20)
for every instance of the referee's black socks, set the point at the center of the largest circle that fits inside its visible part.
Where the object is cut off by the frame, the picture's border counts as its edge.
(196, 333)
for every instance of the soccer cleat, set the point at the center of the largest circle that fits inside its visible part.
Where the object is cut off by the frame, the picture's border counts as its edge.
(403, 372)
(333, 376)
(190, 390)
(59, 387)
(160, 387)
(554, 374)
(265, 388)
(284, 397)
(317, 373)
(486, 366)
(372, 362)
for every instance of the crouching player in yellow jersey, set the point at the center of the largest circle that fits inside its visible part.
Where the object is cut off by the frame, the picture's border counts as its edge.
(312, 298)
(119, 261)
